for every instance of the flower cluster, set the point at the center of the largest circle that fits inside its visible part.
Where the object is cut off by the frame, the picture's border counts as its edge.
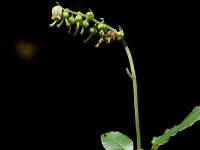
(82, 21)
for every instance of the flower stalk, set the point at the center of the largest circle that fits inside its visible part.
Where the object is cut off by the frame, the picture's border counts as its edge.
(107, 34)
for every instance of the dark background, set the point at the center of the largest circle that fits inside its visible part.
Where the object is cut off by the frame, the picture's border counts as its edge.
(69, 93)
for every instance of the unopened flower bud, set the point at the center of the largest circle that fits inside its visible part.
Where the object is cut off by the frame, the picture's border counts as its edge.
(71, 19)
(102, 26)
(65, 14)
(120, 35)
(93, 30)
(90, 15)
(85, 24)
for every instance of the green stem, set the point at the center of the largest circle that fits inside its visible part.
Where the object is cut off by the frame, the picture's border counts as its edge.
(155, 147)
(135, 93)
(132, 75)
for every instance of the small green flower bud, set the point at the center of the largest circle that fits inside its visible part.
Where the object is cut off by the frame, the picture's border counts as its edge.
(90, 15)
(93, 30)
(65, 14)
(79, 17)
(85, 24)
(120, 35)
(57, 12)
(71, 19)
(102, 26)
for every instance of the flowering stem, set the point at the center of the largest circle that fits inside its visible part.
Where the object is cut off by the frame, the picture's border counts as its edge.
(57, 10)
(132, 75)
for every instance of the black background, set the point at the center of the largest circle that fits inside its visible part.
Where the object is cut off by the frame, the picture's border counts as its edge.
(72, 92)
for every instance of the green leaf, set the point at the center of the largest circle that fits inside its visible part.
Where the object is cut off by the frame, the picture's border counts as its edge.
(116, 141)
(193, 117)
